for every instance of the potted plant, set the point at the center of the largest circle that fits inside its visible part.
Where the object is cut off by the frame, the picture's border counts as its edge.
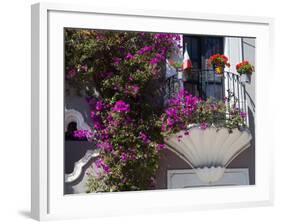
(218, 62)
(245, 69)
(182, 74)
(178, 66)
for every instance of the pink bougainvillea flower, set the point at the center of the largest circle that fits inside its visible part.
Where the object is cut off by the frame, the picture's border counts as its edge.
(71, 73)
(154, 61)
(81, 134)
(145, 49)
(203, 125)
(106, 168)
(171, 112)
(106, 146)
(101, 164)
(99, 105)
(121, 106)
(243, 114)
(170, 121)
(160, 147)
(98, 162)
(132, 90)
(129, 56)
(116, 60)
(143, 137)
(123, 157)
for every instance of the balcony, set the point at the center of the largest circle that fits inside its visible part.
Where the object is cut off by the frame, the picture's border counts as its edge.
(210, 151)
(205, 84)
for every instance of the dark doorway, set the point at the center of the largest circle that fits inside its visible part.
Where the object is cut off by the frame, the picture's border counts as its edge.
(201, 81)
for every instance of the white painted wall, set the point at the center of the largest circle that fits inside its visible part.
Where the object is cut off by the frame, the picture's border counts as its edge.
(233, 50)
(238, 49)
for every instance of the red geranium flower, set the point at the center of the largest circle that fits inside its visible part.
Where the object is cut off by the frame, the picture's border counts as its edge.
(245, 67)
(218, 60)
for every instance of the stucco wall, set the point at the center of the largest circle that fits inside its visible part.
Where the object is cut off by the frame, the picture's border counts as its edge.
(248, 53)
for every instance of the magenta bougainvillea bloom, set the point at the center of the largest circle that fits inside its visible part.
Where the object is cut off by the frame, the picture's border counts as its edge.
(97, 123)
(203, 125)
(179, 108)
(81, 134)
(144, 138)
(99, 105)
(185, 110)
(106, 168)
(116, 60)
(129, 56)
(145, 49)
(123, 156)
(101, 164)
(105, 146)
(154, 61)
(243, 114)
(121, 106)
(157, 58)
(71, 73)
(160, 147)
(132, 90)
(168, 36)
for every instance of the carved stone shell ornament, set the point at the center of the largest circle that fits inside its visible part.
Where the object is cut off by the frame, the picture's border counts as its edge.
(209, 151)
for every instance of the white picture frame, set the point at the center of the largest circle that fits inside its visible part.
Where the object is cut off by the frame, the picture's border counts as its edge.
(48, 201)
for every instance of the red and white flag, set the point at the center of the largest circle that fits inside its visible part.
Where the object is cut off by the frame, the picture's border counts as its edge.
(186, 60)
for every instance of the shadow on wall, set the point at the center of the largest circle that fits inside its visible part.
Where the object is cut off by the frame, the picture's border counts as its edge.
(247, 158)
(168, 161)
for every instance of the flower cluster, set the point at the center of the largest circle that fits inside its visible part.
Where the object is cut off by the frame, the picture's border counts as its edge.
(218, 60)
(101, 164)
(125, 144)
(184, 110)
(245, 67)
(178, 112)
(82, 134)
(115, 63)
(121, 106)
(115, 71)
(144, 49)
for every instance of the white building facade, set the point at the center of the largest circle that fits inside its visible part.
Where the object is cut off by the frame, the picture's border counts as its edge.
(173, 171)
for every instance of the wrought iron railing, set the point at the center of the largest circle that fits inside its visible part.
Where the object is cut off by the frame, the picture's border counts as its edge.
(205, 83)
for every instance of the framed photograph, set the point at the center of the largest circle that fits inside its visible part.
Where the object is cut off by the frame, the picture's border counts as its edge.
(161, 111)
